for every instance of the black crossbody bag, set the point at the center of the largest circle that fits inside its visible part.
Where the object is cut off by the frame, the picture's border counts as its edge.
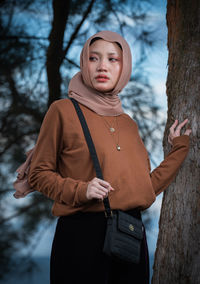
(124, 232)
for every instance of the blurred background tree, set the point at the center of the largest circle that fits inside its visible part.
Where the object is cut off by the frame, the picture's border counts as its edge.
(39, 53)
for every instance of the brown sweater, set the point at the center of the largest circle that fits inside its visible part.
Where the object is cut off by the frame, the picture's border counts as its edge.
(62, 167)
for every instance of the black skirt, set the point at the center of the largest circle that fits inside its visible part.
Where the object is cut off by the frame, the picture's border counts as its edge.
(77, 256)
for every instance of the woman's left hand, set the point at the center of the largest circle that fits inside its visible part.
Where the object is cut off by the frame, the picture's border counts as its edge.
(175, 130)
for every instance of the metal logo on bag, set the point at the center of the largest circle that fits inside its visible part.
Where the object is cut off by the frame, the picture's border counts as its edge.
(131, 227)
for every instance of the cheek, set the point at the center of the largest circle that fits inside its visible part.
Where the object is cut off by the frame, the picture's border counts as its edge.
(90, 69)
(118, 71)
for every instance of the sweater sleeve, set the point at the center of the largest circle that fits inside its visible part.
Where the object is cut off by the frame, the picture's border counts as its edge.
(43, 175)
(165, 173)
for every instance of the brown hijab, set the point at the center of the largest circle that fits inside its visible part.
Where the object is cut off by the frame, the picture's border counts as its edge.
(81, 89)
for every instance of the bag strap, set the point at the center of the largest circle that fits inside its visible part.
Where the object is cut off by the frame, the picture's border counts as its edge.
(91, 147)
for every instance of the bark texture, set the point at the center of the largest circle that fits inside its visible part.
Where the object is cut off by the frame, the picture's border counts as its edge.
(177, 259)
(55, 50)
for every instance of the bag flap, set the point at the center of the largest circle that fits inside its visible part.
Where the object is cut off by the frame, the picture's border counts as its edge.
(130, 225)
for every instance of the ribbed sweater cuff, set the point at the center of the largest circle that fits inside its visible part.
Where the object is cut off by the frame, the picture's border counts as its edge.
(181, 140)
(81, 193)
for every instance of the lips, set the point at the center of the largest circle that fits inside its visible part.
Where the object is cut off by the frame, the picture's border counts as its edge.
(102, 78)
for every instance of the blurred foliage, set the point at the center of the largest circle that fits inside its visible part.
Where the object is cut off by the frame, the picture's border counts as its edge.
(40, 41)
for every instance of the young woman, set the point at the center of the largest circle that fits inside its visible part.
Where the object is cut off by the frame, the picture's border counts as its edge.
(62, 168)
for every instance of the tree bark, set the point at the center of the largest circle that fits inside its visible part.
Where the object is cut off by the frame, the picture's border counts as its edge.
(177, 258)
(55, 49)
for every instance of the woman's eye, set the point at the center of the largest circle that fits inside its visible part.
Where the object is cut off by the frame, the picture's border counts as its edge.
(92, 58)
(113, 59)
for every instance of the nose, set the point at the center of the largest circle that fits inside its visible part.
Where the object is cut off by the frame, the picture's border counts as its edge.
(102, 66)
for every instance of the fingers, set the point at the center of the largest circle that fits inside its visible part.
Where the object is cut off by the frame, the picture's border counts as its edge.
(169, 140)
(181, 125)
(174, 126)
(98, 189)
(172, 131)
(188, 132)
(104, 183)
(175, 130)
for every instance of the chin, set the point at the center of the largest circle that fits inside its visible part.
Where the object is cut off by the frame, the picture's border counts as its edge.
(103, 89)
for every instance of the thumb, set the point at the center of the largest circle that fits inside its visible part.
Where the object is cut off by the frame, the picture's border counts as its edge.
(188, 131)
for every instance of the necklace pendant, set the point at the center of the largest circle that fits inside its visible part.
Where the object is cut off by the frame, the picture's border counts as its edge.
(118, 148)
(112, 129)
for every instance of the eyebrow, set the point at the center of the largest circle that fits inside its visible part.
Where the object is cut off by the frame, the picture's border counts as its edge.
(99, 53)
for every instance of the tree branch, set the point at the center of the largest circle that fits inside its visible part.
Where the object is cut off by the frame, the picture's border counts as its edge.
(15, 141)
(21, 211)
(73, 36)
(17, 37)
(72, 62)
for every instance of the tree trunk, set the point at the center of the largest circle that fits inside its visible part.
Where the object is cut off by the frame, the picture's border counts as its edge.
(55, 49)
(177, 258)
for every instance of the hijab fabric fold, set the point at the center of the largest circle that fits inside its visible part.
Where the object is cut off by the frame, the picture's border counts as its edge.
(81, 89)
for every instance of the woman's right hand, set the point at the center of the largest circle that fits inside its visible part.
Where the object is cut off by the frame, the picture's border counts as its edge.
(98, 189)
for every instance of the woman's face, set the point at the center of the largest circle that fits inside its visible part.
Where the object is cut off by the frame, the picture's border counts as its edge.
(105, 65)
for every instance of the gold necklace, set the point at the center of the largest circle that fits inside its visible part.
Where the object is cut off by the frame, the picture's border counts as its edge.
(113, 131)
(111, 128)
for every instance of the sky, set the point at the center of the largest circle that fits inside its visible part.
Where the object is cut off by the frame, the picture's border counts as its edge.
(157, 67)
